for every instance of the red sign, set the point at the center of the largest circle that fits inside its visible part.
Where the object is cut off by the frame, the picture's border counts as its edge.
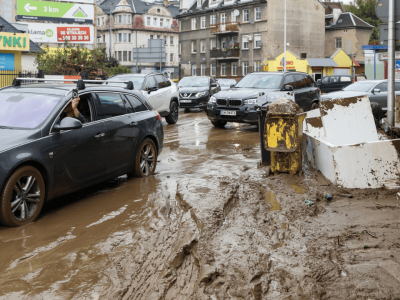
(73, 34)
(288, 63)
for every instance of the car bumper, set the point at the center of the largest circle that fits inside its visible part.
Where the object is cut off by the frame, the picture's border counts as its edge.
(244, 114)
(195, 102)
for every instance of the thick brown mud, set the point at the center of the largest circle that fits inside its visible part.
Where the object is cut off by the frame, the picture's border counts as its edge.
(208, 225)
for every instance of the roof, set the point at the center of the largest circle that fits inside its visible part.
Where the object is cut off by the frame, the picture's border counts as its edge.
(7, 27)
(349, 20)
(321, 62)
(137, 6)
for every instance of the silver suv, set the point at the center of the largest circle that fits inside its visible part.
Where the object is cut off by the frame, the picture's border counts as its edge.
(159, 90)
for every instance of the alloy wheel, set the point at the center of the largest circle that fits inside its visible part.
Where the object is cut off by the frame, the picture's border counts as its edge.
(147, 159)
(25, 198)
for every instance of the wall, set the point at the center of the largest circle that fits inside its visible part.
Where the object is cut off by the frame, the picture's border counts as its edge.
(28, 62)
(342, 60)
(300, 65)
(369, 66)
(8, 10)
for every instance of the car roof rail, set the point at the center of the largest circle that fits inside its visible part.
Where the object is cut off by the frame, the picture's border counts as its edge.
(80, 83)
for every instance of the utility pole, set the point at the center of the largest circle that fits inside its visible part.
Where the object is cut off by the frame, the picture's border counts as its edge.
(109, 20)
(284, 42)
(137, 55)
(391, 63)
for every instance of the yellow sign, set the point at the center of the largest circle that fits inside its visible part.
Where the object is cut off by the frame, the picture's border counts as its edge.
(265, 62)
(14, 41)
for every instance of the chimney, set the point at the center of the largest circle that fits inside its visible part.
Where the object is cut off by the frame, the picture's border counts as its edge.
(336, 14)
(166, 3)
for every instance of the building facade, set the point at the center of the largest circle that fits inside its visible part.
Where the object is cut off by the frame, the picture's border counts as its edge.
(132, 25)
(226, 38)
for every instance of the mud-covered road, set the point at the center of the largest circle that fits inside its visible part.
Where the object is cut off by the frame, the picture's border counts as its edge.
(208, 225)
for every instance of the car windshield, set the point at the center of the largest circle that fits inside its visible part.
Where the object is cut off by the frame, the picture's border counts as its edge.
(25, 110)
(136, 80)
(260, 81)
(361, 86)
(226, 82)
(193, 82)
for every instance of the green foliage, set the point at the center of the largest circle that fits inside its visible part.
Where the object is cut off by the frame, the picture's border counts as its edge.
(365, 10)
(117, 70)
(72, 61)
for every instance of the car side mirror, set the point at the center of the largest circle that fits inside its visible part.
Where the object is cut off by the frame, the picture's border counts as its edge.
(214, 84)
(376, 91)
(288, 88)
(152, 89)
(68, 124)
(232, 85)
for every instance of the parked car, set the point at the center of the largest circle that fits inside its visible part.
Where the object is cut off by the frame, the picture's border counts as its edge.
(160, 91)
(334, 83)
(45, 154)
(195, 91)
(375, 89)
(239, 104)
(225, 83)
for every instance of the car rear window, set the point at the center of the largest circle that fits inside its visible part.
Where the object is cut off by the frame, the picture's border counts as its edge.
(23, 110)
(135, 104)
(345, 79)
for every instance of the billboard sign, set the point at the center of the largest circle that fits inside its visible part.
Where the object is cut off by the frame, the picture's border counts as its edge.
(60, 33)
(6, 62)
(55, 11)
(14, 41)
(79, 1)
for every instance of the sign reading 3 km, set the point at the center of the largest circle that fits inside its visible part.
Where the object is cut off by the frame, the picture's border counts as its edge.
(55, 11)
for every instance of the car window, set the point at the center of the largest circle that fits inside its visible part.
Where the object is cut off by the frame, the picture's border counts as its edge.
(134, 104)
(360, 86)
(345, 79)
(325, 80)
(160, 81)
(382, 86)
(397, 86)
(136, 80)
(167, 82)
(289, 80)
(150, 83)
(334, 79)
(112, 105)
(309, 81)
(300, 81)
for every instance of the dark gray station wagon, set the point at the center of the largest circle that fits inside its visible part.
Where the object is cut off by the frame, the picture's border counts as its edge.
(45, 152)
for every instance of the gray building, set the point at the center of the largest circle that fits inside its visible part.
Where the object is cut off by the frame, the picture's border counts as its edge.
(230, 38)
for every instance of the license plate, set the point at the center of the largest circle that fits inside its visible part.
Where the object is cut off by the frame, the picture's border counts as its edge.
(228, 112)
(186, 101)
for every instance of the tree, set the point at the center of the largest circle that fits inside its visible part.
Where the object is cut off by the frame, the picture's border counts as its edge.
(365, 10)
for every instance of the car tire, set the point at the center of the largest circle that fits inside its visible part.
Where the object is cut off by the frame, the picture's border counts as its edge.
(187, 110)
(145, 163)
(219, 124)
(22, 197)
(314, 105)
(173, 116)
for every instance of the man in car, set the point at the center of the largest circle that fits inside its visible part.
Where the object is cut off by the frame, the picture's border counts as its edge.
(100, 75)
(72, 111)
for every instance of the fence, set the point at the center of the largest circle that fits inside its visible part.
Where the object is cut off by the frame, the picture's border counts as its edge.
(7, 77)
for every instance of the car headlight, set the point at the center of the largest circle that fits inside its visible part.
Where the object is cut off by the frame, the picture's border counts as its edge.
(198, 95)
(250, 101)
(213, 99)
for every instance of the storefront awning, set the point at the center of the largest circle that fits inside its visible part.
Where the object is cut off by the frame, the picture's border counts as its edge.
(321, 62)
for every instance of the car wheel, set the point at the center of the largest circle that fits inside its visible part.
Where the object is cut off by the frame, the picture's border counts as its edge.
(146, 159)
(22, 197)
(219, 124)
(187, 110)
(172, 118)
(315, 105)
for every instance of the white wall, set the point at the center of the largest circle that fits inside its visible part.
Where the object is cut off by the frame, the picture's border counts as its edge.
(28, 62)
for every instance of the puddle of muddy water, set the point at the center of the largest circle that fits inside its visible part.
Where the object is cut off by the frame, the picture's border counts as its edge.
(298, 189)
(271, 200)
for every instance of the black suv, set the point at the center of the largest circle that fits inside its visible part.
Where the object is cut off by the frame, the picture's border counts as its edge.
(239, 104)
(334, 83)
(195, 91)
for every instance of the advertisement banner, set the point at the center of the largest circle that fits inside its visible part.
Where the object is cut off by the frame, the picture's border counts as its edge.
(55, 11)
(6, 62)
(79, 1)
(59, 33)
(14, 41)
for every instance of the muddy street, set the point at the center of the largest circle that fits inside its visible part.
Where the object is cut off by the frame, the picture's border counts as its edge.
(209, 225)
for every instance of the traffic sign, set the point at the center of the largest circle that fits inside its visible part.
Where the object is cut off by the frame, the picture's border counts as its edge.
(384, 34)
(55, 11)
(382, 10)
(397, 64)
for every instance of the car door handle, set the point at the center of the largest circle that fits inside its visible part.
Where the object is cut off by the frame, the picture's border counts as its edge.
(134, 124)
(100, 135)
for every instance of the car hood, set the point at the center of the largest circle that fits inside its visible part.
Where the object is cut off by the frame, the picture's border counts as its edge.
(10, 138)
(242, 93)
(342, 94)
(191, 90)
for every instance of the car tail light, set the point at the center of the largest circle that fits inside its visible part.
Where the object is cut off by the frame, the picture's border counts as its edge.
(319, 90)
(158, 116)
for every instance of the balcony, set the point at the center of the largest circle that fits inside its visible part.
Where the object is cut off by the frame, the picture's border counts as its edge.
(227, 54)
(225, 28)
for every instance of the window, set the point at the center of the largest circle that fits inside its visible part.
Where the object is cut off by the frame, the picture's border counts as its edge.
(151, 36)
(223, 18)
(345, 79)
(160, 80)
(135, 104)
(120, 19)
(258, 13)
(213, 69)
(234, 69)
(171, 40)
(198, 3)
(301, 81)
(257, 66)
(125, 36)
(112, 105)
(194, 70)
(338, 43)
(233, 17)
(161, 22)
(213, 20)
(158, 37)
(171, 57)
(124, 19)
(303, 55)
(193, 23)
(223, 43)
(223, 69)
(150, 83)
(125, 55)
(119, 55)
(257, 41)
(154, 21)
(203, 46)
(203, 70)
(213, 44)
(245, 40)
(129, 37)
(246, 14)
(203, 22)
(245, 68)
(168, 21)
(130, 56)
(120, 37)
(334, 79)
(382, 86)
(194, 47)
(98, 21)
(165, 39)
(289, 80)
(148, 21)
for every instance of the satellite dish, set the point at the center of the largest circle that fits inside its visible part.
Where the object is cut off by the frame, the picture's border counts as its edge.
(251, 21)
(236, 12)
